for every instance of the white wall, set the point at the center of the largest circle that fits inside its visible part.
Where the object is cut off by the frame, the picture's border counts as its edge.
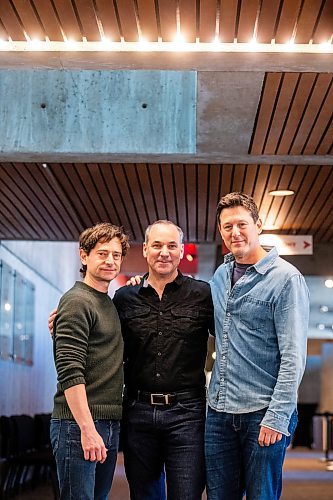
(52, 267)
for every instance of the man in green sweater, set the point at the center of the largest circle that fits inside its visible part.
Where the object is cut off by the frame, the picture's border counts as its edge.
(88, 354)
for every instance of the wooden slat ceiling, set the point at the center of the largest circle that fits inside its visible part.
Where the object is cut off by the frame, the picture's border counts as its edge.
(57, 201)
(294, 115)
(267, 20)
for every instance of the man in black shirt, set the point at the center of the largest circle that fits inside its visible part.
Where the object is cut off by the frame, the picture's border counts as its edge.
(165, 323)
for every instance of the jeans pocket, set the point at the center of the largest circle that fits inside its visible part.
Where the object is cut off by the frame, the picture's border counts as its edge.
(193, 405)
(55, 427)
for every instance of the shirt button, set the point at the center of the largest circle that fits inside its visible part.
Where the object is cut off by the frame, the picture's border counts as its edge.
(161, 314)
(225, 335)
(158, 374)
(223, 357)
(222, 379)
(228, 314)
(159, 354)
(160, 333)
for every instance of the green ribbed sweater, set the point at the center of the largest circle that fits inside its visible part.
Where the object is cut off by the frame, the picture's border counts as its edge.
(88, 349)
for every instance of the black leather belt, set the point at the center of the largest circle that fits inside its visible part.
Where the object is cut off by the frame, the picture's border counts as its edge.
(157, 398)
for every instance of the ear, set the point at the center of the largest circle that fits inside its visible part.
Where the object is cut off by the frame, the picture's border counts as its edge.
(83, 256)
(182, 250)
(144, 250)
(259, 226)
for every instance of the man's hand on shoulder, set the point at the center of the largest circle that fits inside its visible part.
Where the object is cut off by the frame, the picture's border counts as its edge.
(135, 280)
(268, 436)
(51, 320)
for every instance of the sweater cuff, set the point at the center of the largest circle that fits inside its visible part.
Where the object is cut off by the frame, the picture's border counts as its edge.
(71, 383)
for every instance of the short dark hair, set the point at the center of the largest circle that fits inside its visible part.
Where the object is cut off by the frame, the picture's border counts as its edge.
(237, 199)
(102, 232)
(166, 222)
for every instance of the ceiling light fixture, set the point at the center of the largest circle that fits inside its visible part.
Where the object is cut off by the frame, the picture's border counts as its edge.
(281, 192)
(270, 227)
(329, 283)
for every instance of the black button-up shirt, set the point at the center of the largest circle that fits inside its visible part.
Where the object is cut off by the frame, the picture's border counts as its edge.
(165, 340)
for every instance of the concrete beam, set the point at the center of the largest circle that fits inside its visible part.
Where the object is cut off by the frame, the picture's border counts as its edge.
(94, 112)
(180, 61)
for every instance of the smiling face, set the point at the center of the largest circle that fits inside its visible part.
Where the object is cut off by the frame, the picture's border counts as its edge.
(241, 234)
(103, 263)
(163, 251)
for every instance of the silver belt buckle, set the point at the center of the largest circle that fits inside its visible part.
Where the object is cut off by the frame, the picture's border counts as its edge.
(165, 396)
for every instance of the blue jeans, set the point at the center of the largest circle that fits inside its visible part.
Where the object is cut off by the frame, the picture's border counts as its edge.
(80, 479)
(164, 438)
(236, 463)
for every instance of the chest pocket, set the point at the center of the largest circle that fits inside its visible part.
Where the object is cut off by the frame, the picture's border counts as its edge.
(184, 321)
(256, 314)
(138, 320)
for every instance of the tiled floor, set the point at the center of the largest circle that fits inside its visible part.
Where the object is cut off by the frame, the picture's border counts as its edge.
(305, 478)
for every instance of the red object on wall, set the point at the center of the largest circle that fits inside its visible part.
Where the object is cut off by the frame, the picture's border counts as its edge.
(189, 263)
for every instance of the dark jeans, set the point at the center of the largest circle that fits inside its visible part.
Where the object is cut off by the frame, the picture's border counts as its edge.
(80, 479)
(235, 462)
(164, 438)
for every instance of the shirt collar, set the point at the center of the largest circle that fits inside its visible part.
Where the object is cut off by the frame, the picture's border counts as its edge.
(177, 281)
(263, 264)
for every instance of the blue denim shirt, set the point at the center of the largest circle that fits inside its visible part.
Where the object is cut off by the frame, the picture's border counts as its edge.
(261, 333)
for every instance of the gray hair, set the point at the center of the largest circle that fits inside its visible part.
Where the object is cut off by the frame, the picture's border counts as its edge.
(164, 221)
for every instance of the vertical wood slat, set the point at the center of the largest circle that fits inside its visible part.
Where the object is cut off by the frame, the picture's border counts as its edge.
(288, 19)
(315, 206)
(280, 115)
(89, 176)
(107, 16)
(148, 20)
(109, 209)
(324, 29)
(247, 20)
(58, 212)
(207, 20)
(188, 18)
(14, 188)
(264, 113)
(180, 197)
(29, 20)
(41, 205)
(314, 187)
(167, 15)
(166, 174)
(191, 201)
(68, 20)
(128, 22)
(307, 20)
(156, 187)
(304, 89)
(320, 129)
(127, 199)
(49, 20)
(144, 181)
(228, 15)
(87, 16)
(310, 113)
(66, 177)
(202, 171)
(267, 20)
(12, 25)
(213, 199)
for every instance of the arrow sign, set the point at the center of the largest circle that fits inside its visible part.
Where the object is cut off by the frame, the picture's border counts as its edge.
(287, 244)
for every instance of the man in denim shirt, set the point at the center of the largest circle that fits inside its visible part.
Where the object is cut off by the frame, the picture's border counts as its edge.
(261, 319)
